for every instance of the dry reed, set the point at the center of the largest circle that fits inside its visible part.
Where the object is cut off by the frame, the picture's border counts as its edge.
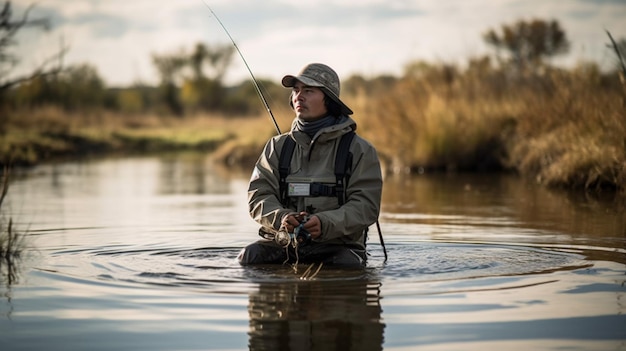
(560, 128)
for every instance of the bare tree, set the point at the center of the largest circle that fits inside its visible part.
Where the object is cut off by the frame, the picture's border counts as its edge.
(529, 43)
(199, 74)
(9, 28)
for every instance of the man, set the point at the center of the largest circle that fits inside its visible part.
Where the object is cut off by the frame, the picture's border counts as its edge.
(311, 216)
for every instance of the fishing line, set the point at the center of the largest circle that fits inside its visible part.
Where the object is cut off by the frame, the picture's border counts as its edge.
(256, 84)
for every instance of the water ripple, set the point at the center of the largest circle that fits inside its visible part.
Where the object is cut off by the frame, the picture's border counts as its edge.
(410, 266)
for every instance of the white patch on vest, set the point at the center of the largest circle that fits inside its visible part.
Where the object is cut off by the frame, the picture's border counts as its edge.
(299, 189)
(256, 174)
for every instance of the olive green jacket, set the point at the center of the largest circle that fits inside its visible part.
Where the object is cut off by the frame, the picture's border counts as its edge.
(313, 160)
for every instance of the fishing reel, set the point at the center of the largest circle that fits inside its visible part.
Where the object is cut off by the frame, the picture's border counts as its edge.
(302, 235)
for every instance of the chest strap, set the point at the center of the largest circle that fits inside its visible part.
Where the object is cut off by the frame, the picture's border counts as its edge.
(343, 165)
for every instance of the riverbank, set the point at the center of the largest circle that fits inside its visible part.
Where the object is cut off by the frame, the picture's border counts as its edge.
(47, 135)
(566, 136)
(564, 129)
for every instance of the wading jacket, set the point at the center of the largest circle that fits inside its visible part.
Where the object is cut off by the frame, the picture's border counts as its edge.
(313, 161)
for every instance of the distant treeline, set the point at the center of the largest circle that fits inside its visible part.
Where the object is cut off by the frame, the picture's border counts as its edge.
(80, 88)
(191, 80)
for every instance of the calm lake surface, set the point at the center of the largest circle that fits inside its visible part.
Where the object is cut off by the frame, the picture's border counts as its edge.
(139, 254)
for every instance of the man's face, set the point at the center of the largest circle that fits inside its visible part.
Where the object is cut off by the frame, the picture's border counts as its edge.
(308, 102)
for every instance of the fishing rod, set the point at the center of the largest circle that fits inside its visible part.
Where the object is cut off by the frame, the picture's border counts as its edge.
(256, 84)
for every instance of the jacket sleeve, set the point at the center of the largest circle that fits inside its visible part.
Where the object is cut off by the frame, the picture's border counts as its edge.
(264, 203)
(364, 193)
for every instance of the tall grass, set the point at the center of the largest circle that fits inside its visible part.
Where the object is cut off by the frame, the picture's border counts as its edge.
(560, 128)
(574, 135)
(11, 242)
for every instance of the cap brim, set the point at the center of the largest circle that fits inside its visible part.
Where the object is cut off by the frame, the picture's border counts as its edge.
(289, 81)
(344, 108)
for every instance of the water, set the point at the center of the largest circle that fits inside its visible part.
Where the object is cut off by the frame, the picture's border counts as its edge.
(139, 254)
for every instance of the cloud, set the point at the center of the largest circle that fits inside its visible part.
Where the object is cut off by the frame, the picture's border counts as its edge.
(369, 37)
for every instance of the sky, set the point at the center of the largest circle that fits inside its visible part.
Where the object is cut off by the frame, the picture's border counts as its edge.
(278, 37)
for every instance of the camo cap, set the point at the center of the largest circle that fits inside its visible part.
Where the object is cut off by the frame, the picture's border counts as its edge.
(320, 76)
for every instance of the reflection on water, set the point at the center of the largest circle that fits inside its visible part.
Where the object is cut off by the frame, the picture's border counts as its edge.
(139, 253)
(9, 269)
(504, 209)
(335, 314)
(507, 197)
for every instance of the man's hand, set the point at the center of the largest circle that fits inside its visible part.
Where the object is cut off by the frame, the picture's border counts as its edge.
(312, 225)
(292, 220)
